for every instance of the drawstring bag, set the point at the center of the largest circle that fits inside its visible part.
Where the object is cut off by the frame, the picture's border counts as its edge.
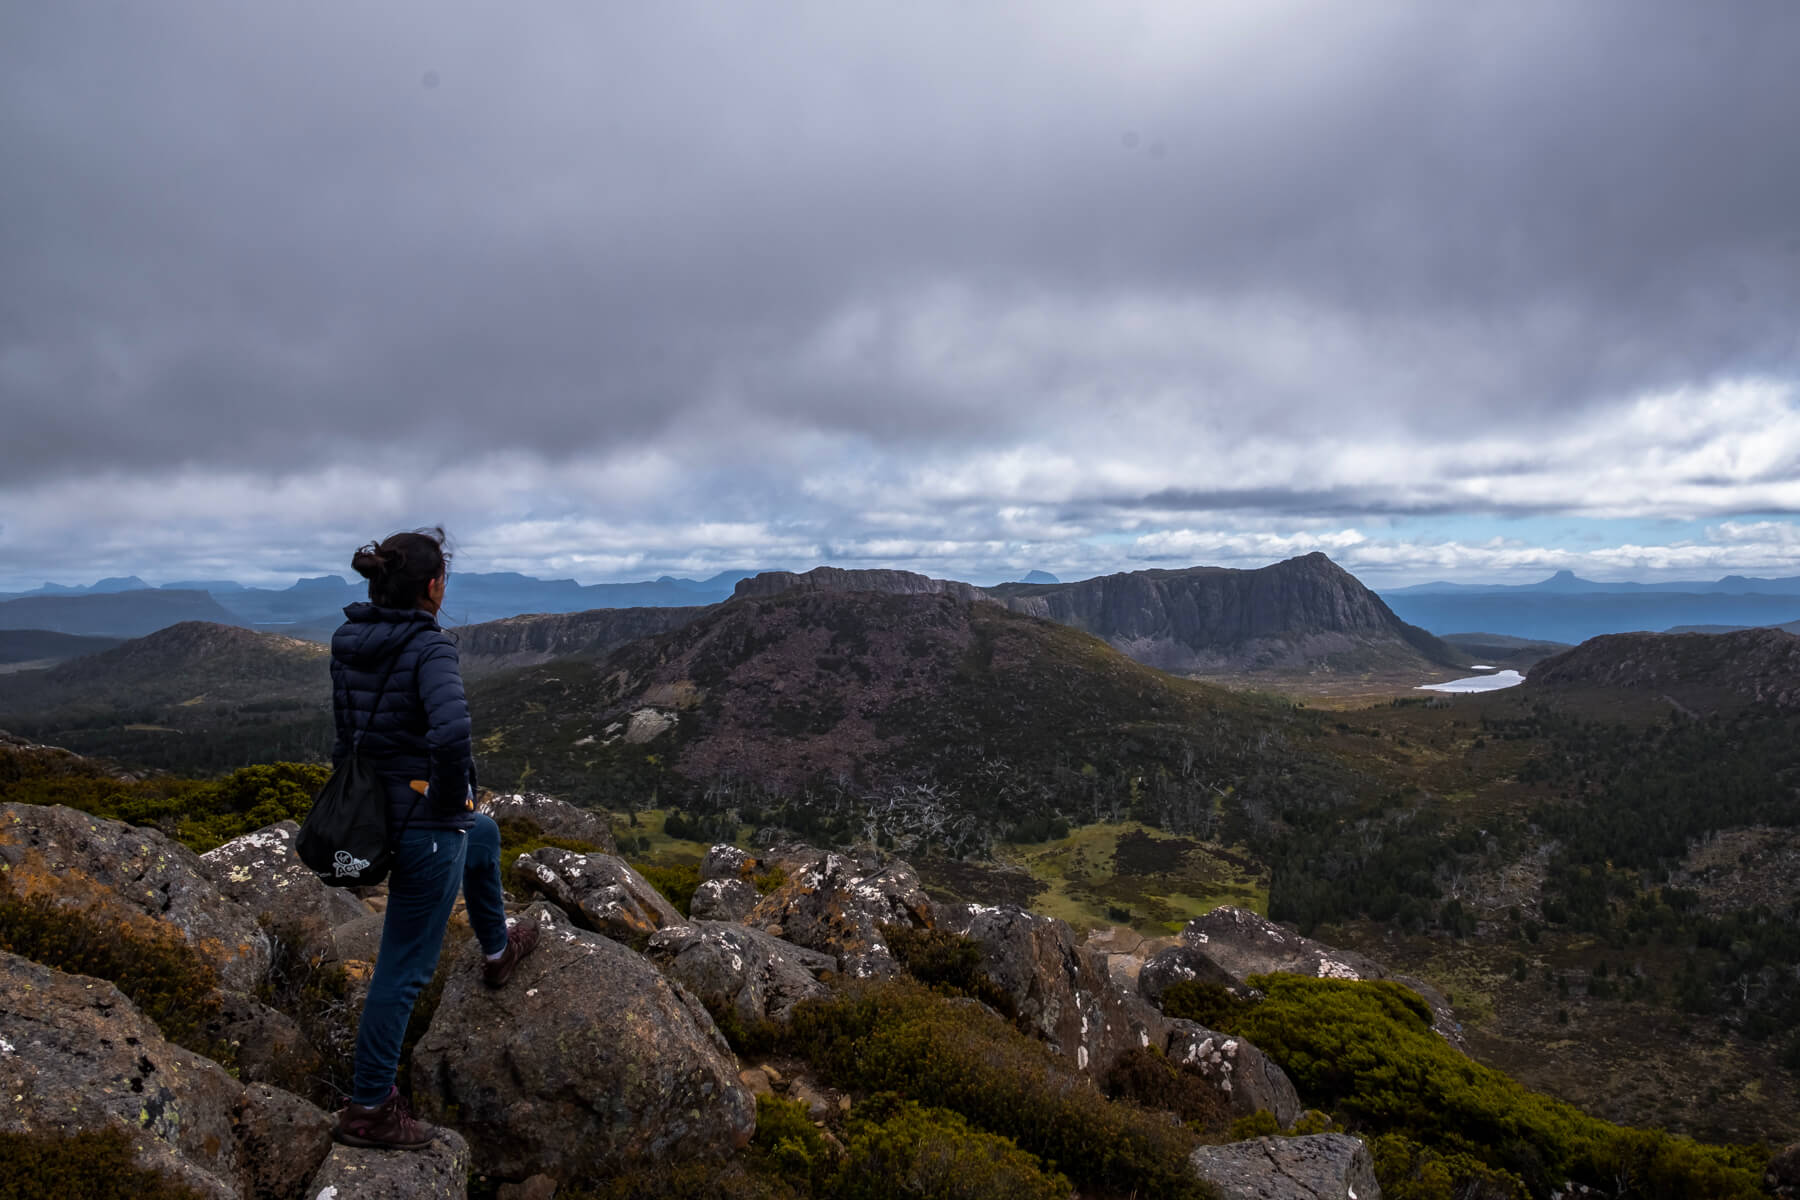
(345, 838)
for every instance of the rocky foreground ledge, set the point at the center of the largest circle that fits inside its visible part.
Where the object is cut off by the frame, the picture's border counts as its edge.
(604, 1050)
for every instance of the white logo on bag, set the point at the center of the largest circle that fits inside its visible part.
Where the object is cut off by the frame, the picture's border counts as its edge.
(346, 863)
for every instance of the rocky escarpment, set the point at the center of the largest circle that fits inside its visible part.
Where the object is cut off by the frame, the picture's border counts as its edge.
(1303, 611)
(539, 637)
(1700, 672)
(836, 579)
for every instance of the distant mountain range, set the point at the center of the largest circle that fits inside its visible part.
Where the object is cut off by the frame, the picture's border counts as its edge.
(312, 608)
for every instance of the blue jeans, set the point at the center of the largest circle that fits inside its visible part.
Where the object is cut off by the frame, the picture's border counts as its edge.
(429, 866)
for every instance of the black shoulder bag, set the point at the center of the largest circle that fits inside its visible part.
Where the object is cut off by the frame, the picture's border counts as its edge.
(345, 839)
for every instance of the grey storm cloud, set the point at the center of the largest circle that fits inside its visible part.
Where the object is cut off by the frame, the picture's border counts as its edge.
(250, 236)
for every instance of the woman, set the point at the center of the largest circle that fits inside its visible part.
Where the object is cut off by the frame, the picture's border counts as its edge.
(415, 731)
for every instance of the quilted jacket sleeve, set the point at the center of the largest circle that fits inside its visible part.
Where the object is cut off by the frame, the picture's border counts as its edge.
(340, 741)
(447, 734)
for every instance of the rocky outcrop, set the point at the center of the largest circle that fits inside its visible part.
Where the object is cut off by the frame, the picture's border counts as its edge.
(1060, 990)
(262, 872)
(725, 861)
(586, 1060)
(76, 1055)
(121, 872)
(723, 900)
(1783, 1174)
(554, 818)
(440, 1172)
(1290, 614)
(1240, 943)
(1244, 1075)
(1322, 1166)
(837, 903)
(600, 892)
(1181, 963)
(740, 969)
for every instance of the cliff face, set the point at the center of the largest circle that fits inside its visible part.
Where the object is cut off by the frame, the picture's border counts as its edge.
(529, 640)
(1291, 614)
(836, 579)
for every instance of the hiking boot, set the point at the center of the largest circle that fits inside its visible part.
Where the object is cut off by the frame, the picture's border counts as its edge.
(389, 1125)
(521, 939)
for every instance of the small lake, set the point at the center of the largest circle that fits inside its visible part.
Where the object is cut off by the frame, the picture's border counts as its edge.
(1476, 683)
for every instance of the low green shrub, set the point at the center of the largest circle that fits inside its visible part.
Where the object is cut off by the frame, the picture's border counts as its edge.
(1365, 1051)
(947, 962)
(897, 1036)
(898, 1148)
(97, 1165)
(151, 963)
(737, 1179)
(1210, 1004)
(1147, 1077)
(676, 882)
(1409, 1171)
(789, 1143)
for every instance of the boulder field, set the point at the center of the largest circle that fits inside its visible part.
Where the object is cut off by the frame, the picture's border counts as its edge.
(603, 1049)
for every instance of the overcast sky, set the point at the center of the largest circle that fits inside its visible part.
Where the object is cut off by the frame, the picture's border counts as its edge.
(1463, 291)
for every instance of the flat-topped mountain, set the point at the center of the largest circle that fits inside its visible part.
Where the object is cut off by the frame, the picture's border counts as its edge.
(1305, 612)
(1699, 671)
(837, 579)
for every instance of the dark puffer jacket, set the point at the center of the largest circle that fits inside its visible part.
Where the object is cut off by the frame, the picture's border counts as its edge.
(421, 730)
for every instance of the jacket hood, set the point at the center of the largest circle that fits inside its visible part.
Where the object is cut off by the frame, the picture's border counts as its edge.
(370, 635)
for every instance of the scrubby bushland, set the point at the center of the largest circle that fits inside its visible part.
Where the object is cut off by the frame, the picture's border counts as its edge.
(150, 963)
(98, 1165)
(1365, 1051)
(201, 813)
(896, 1036)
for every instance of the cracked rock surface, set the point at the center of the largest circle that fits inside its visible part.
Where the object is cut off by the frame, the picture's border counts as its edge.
(1321, 1166)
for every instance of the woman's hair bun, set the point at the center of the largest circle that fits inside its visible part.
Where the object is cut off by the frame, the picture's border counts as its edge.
(371, 562)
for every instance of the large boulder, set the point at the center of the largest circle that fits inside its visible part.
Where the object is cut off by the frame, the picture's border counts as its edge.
(439, 1172)
(1060, 990)
(837, 903)
(1321, 1166)
(586, 1061)
(1249, 1079)
(120, 872)
(600, 892)
(723, 900)
(262, 872)
(735, 968)
(554, 818)
(725, 861)
(76, 1055)
(1241, 943)
(1783, 1174)
(1182, 963)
